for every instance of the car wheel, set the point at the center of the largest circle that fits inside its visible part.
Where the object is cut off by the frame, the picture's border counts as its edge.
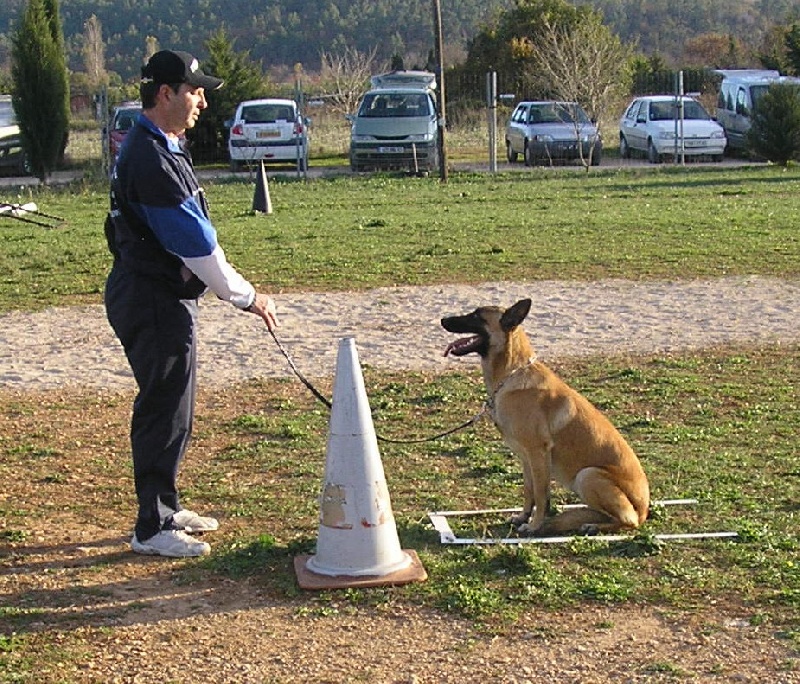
(530, 160)
(652, 154)
(510, 154)
(624, 150)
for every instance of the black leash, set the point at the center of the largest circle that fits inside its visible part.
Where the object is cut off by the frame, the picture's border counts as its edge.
(328, 403)
(302, 377)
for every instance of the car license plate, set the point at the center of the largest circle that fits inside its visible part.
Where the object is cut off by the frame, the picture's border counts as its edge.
(694, 143)
(390, 150)
(269, 133)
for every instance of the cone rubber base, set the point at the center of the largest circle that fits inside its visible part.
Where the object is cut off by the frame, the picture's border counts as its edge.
(312, 580)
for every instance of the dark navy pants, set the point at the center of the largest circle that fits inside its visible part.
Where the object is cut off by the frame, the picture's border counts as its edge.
(158, 332)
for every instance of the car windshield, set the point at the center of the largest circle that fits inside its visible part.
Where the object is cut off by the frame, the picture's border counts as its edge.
(394, 105)
(557, 112)
(668, 111)
(267, 113)
(7, 117)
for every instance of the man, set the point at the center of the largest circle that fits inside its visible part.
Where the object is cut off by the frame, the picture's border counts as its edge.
(166, 256)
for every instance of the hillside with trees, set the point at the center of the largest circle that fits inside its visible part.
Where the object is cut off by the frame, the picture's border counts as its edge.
(282, 33)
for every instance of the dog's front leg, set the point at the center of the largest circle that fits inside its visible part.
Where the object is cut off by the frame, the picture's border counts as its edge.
(528, 500)
(538, 470)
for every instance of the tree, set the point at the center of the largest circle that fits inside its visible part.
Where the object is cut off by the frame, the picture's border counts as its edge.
(345, 77)
(792, 42)
(93, 50)
(243, 81)
(714, 50)
(507, 46)
(775, 131)
(584, 63)
(41, 86)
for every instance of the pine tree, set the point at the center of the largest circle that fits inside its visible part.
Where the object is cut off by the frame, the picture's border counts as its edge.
(243, 81)
(41, 86)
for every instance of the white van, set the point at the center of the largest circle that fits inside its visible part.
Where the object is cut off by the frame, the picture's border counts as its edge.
(396, 124)
(739, 93)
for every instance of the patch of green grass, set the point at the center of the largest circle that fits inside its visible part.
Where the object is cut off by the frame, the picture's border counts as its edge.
(719, 426)
(542, 224)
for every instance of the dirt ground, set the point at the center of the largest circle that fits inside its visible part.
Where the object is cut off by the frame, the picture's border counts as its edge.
(128, 620)
(88, 610)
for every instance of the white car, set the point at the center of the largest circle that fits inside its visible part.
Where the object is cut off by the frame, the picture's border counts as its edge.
(269, 130)
(653, 125)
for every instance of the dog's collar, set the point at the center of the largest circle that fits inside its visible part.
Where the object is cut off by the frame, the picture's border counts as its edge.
(493, 395)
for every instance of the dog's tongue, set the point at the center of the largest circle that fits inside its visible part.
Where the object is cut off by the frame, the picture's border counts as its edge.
(461, 346)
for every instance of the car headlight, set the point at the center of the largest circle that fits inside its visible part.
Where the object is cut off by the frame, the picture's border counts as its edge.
(717, 135)
(362, 138)
(666, 135)
(421, 137)
(543, 138)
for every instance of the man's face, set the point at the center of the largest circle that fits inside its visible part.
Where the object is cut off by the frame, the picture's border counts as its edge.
(183, 108)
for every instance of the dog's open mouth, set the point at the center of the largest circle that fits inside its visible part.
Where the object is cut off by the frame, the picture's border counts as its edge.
(464, 345)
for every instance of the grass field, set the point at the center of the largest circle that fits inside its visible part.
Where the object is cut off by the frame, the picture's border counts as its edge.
(719, 425)
(358, 233)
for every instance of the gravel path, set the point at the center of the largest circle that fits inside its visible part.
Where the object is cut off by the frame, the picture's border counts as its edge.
(397, 328)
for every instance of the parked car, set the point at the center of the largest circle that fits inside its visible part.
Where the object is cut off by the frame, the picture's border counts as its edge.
(269, 130)
(739, 95)
(549, 131)
(396, 124)
(653, 125)
(12, 154)
(122, 120)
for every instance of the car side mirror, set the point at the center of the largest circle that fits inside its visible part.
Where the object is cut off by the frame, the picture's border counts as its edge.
(350, 117)
(228, 123)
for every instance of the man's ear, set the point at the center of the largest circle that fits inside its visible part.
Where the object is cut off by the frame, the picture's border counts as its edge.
(514, 315)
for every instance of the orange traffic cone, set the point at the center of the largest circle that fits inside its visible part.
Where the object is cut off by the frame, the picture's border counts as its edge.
(358, 544)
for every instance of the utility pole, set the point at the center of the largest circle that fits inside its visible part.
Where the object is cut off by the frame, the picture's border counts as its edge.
(440, 99)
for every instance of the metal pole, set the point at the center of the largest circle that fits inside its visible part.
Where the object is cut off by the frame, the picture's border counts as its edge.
(681, 111)
(491, 103)
(440, 98)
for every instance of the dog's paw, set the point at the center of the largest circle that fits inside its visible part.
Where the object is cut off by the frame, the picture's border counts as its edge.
(520, 518)
(589, 530)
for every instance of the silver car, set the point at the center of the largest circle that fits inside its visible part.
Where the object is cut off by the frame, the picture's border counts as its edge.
(549, 131)
(12, 155)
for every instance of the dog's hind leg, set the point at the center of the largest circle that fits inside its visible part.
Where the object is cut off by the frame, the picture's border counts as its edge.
(575, 520)
(601, 494)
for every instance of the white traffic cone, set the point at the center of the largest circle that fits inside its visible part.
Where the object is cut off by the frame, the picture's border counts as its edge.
(358, 543)
(261, 199)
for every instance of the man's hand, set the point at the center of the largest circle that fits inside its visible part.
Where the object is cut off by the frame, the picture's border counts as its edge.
(263, 305)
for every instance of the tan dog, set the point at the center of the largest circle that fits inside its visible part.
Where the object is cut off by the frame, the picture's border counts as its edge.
(556, 432)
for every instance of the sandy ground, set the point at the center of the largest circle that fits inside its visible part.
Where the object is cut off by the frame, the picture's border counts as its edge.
(398, 328)
(225, 633)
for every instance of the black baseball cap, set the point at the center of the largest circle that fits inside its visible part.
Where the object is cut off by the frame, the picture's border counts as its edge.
(169, 66)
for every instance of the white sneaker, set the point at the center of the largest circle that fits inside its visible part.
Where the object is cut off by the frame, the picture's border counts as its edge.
(171, 543)
(189, 521)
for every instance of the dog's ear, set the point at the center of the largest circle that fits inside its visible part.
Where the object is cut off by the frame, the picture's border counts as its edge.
(514, 315)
